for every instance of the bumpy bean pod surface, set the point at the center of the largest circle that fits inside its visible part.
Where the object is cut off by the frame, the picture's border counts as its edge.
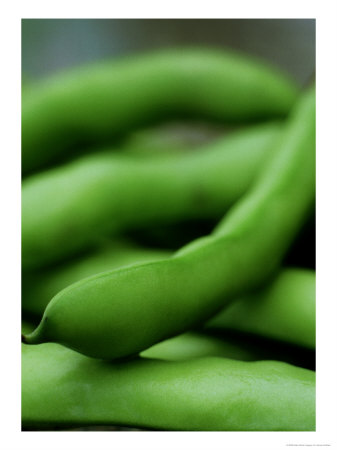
(95, 315)
(67, 209)
(94, 104)
(65, 388)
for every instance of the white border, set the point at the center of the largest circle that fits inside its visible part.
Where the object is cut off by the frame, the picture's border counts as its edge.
(325, 12)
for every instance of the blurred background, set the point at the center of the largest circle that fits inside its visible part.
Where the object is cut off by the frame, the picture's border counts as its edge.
(53, 45)
(49, 45)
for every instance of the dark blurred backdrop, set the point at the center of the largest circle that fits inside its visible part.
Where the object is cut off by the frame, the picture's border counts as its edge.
(52, 44)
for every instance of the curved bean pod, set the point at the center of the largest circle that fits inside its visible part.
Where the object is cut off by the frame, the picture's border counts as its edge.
(201, 344)
(95, 315)
(283, 310)
(69, 208)
(61, 387)
(194, 345)
(38, 287)
(92, 105)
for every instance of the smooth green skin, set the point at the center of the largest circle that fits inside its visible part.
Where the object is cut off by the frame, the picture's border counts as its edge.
(38, 287)
(94, 104)
(62, 387)
(67, 209)
(283, 310)
(122, 312)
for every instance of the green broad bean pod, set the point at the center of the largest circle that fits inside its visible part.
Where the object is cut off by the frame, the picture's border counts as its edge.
(201, 344)
(39, 286)
(191, 345)
(161, 299)
(61, 387)
(93, 105)
(67, 209)
(283, 310)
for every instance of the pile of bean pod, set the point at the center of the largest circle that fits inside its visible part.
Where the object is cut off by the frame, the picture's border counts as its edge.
(167, 285)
